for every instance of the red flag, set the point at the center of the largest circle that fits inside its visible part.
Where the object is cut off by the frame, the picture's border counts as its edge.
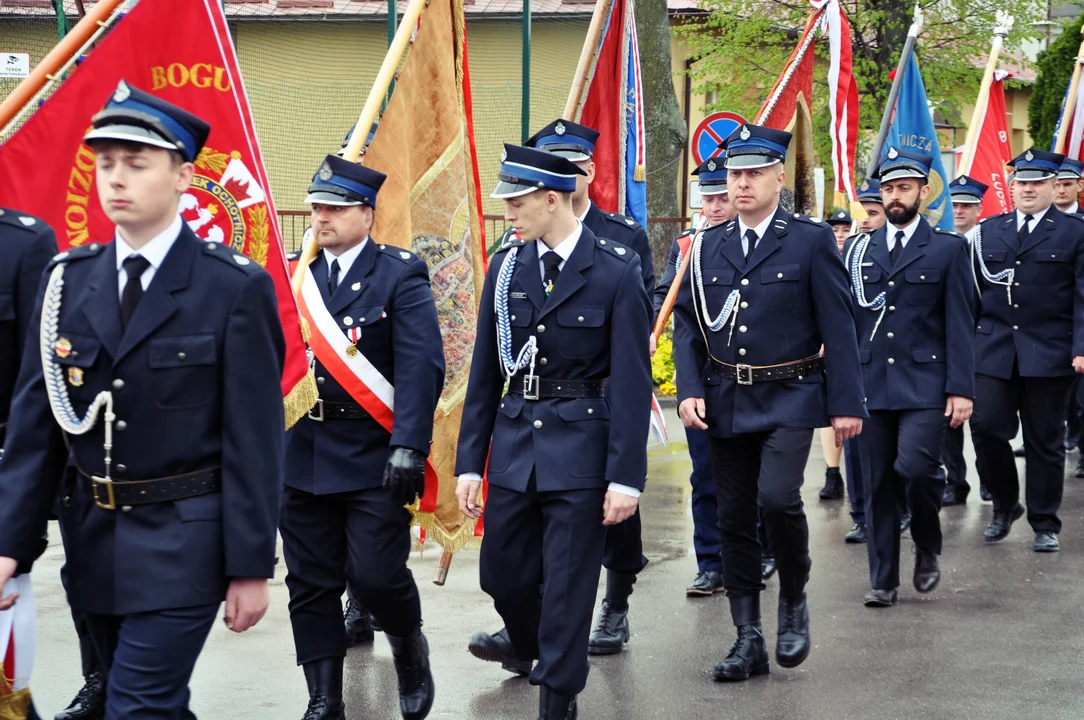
(993, 152)
(182, 52)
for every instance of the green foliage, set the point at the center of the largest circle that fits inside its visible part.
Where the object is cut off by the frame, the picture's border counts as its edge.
(1055, 66)
(742, 46)
(662, 365)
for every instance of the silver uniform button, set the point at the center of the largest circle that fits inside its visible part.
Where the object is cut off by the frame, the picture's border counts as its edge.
(891, 335)
(121, 426)
(891, 308)
(891, 361)
(181, 356)
(543, 361)
(513, 318)
(933, 357)
(1014, 327)
(745, 281)
(590, 411)
(122, 469)
(541, 328)
(537, 424)
(118, 384)
(891, 283)
(742, 328)
(779, 275)
(320, 380)
(1017, 262)
(126, 508)
(744, 305)
(579, 319)
(741, 351)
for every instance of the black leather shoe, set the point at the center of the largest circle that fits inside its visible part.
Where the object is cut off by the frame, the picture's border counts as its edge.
(553, 705)
(858, 535)
(359, 628)
(792, 644)
(611, 631)
(498, 648)
(955, 496)
(416, 691)
(747, 657)
(833, 485)
(905, 523)
(984, 494)
(1018, 451)
(1046, 542)
(325, 681)
(707, 582)
(881, 598)
(89, 702)
(767, 566)
(927, 570)
(1001, 523)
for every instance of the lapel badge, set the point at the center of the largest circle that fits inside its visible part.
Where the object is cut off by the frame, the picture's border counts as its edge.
(356, 286)
(744, 132)
(559, 128)
(325, 173)
(63, 348)
(348, 320)
(122, 93)
(893, 153)
(711, 165)
(75, 376)
(1029, 156)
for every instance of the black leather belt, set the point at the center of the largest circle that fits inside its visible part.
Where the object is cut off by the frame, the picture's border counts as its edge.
(324, 410)
(533, 387)
(108, 494)
(749, 374)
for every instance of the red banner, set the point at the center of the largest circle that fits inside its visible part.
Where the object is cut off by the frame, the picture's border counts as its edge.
(182, 52)
(602, 107)
(992, 153)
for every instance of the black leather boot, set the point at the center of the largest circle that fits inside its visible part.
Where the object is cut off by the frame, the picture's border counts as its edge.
(749, 654)
(497, 647)
(325, 681)
(553, 705)
(612, 629)
(356, 622)
(89, 702)
(833, 484)
(792, 644)
(416, 691)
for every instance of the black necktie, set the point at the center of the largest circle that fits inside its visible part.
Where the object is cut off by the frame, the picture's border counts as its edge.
(552, 262)
(134, 267)
(1025, 231)
(333, 278)
(897, 249)
(750, 243)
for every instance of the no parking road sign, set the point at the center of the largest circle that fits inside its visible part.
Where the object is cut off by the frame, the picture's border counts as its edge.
(711, 131)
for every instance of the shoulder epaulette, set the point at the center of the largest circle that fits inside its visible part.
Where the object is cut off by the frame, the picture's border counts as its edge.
(947, 232)
(688, 232)
(808, 219)
(1075, 216)
(397, 252)
(78, 252)
(615, 248)
(294, 255)
(21, 220)
(622, 220)
(230, 257)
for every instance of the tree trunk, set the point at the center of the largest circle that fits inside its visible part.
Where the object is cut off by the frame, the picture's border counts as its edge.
(665, 126)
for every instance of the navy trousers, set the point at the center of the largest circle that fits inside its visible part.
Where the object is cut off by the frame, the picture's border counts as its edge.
(365, 533)
(556, 540)
(952, 457)
(624, 551)
(856, 494)
(148, 658)
(901, 449)
(706, 543)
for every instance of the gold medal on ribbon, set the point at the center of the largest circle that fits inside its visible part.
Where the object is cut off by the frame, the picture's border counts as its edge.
(75, 376)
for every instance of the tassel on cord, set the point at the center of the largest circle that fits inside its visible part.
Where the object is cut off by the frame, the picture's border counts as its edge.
(639, 174)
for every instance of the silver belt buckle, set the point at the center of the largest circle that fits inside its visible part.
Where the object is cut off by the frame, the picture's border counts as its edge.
(319, 407)
(530, 387)
(745, 374)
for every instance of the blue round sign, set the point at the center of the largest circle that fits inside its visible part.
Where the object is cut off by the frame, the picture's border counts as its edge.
(711, 131)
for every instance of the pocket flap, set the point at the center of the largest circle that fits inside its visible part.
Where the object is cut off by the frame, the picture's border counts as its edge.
(182, 351)
(718, 276)
(511, 405)
(871, 274)
(993, 255)
(930, 275)
(781, 273)
(1052, 255)
(581, 317)
(984, 328)
(519, 313)
(367, 315)
(81, 350)
(929, 356)
(584, 409)
(7, 306)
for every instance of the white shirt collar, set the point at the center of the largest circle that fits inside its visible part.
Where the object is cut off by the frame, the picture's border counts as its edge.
(346, 259)
(1035, 217)
(760, 229)
(566, 247)
(970, 234)
(155, 250)
(583, 217)
(908, 232)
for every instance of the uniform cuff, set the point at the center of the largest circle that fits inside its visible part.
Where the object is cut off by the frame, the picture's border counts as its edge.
(470, 477)
(618, 488)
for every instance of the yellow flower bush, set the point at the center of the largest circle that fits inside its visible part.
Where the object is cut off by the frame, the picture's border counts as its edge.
(662, 365)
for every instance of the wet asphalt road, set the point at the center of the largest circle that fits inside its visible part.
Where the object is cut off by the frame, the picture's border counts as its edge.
(1002, 637)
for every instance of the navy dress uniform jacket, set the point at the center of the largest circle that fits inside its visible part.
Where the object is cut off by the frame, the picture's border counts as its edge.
(590, 328)
(924, 348)
(27, 244)
(196, 381)
(629, 233)
(386, 295)
(1043, 328)
(794, 299)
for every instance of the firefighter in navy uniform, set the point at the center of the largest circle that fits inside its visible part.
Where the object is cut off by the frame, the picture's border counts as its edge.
(914, 298)
(1029, 349)
(561, 313)
(762, 297)
(161, 381)
(624, 557)
(347, 477)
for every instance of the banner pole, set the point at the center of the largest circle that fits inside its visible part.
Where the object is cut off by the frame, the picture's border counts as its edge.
(587, 56)
(894, 93)
(525, 106)
(1070, 99)
(1001, 29)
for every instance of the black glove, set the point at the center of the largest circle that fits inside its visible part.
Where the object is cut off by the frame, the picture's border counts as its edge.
(404, 475)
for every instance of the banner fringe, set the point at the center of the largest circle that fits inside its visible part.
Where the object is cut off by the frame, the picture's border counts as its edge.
(299, 400)
(14, 706)
(451, 540)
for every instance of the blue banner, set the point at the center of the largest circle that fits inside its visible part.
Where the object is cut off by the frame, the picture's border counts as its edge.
(635, 160)
(912, 129)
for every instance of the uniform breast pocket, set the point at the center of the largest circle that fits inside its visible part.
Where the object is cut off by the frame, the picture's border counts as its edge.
(76, 355)
(1053, 255)
(993, 256)
(583, 332)
(779, 285)
(923, 286)
(185, 370)
(369, 324)
(718, 282)
(871, 275)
